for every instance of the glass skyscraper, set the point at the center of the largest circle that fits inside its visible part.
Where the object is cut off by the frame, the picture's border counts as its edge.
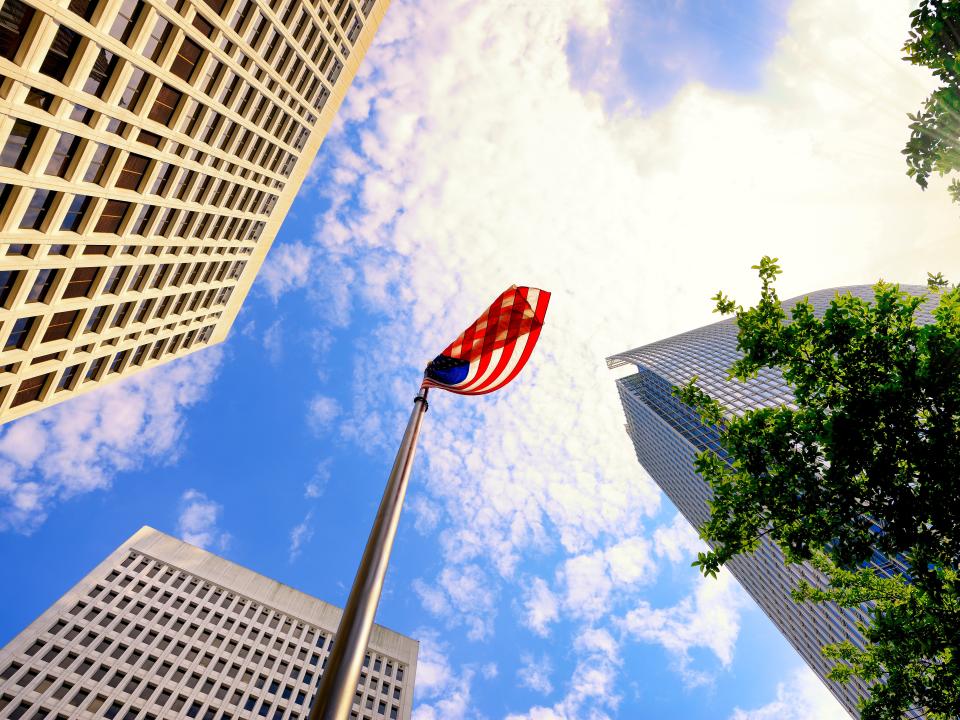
(667, 434)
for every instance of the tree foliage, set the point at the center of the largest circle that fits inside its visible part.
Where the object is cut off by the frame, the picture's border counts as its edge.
(866, 458)
(933, 42)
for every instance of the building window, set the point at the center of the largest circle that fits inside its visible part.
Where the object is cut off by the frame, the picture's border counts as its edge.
(63, 155)
(133, 171)
(80, 283)
(92, 373)
(41, 286)
(74, 216)
(112, 216)
(188, 56)
(30, 390)
(38, 209)
(66, 383)
(126, 19)
(165, 105)
(18, 335)
(96, 316)
(18, 144)
(100, 74)
(8, 279)
(98, 164)
(62, 51)
(15, 18)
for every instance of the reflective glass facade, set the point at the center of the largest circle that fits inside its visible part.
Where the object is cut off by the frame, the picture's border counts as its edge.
(667, 434)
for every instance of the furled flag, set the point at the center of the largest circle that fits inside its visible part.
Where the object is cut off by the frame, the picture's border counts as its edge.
(491, 352)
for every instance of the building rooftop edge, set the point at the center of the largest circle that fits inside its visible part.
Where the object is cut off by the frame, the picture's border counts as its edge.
(623, 358)
(239, 578)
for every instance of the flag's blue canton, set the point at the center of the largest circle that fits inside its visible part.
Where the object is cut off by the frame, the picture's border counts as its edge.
(447, 370)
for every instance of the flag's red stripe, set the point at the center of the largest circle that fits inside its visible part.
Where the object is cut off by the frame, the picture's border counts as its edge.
(513, 333)
(534, 335)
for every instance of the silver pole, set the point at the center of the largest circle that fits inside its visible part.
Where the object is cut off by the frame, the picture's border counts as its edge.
(338, 686)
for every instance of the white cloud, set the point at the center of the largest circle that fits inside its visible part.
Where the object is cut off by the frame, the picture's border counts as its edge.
(461, 595)
(489, 670)
(82, 444)
(709, 619)
(318, 483)
(803, 696)
(590, 579)
(592, 689)
(678, 541)
(321, 413)
(497, 170)
(534, 673)
(273, 341)
(440, 692)
(300, 535)
(541, 607)
(286, 268)
(198, 521)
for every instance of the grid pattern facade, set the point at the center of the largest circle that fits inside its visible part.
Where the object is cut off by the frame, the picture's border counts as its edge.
(667, 434)
(149, 151)
(162, 629)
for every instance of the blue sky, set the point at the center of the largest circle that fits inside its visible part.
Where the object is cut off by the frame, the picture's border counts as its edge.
(632, 158)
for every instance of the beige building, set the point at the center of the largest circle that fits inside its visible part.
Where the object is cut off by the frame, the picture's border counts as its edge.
(149, 152)
(161, 629)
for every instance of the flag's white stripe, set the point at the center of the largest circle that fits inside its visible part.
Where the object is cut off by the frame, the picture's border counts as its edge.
(472, 381)
(469, 381)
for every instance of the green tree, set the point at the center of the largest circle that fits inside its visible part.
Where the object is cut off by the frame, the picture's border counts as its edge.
(933, 42)
(866, 457)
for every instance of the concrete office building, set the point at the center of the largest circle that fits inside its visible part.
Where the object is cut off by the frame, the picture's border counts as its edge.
(162, 629)
(667, 434)
(149, 151)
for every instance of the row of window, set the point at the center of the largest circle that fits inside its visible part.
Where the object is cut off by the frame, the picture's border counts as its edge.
(68, 323)
(242, 608)
(51, 284)
(264, 619)
(65, 49)
(32, 389)
(169, 181)
(127, 219)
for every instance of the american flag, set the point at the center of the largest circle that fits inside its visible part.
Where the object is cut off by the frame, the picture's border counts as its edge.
(491, 352)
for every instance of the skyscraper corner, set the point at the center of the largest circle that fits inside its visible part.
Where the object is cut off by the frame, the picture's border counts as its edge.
(149, 152)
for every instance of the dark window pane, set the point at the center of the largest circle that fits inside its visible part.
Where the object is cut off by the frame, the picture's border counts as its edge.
(18, 335)
(61, 53)
(60, 325)
(112, 216)
(186, 60)
(165, 105)
(30, 390)
(96, 315)
(83, 8)
(18, 144)
(132, 172)
(75, 212)
(39, 99)
(80, 282)
(38, 208)
(15, 17)
(8, 279)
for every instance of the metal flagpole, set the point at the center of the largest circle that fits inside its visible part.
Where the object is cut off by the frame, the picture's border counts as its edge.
(338, 686)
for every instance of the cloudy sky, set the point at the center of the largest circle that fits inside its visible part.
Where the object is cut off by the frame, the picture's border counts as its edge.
(633, 157)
